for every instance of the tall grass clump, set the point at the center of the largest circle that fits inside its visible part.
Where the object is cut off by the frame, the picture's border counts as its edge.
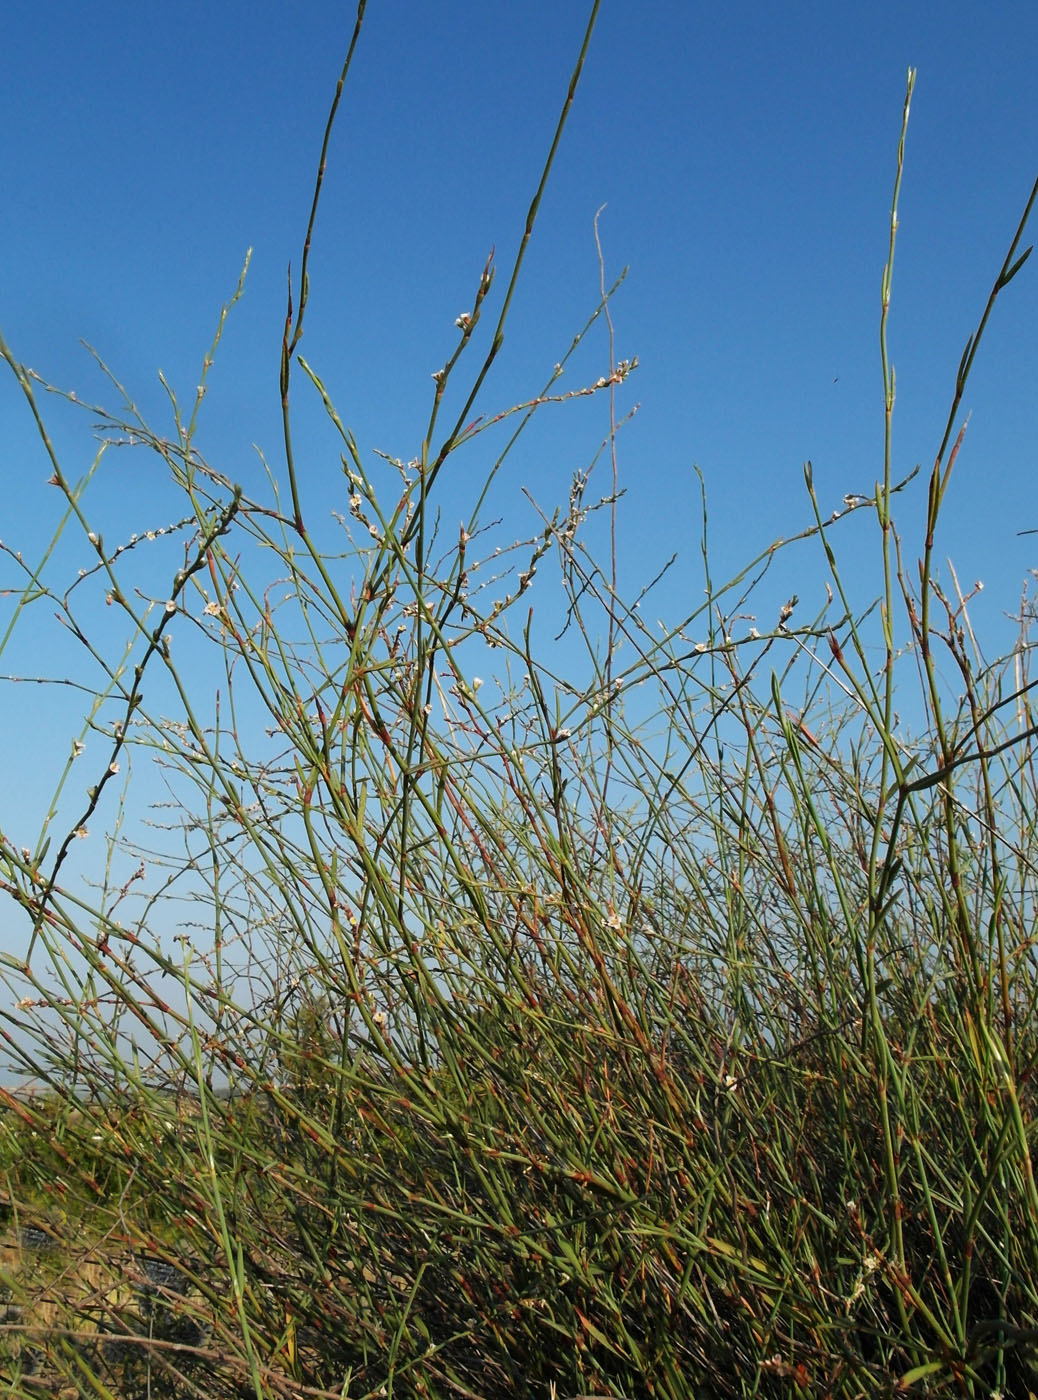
(661, 1027)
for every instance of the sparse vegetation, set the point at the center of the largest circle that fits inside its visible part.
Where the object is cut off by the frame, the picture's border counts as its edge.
(668, 1033)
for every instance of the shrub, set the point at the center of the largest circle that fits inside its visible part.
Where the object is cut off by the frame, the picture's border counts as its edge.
(551, 1039)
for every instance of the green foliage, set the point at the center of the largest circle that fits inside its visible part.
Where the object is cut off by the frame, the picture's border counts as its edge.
(557, 1037)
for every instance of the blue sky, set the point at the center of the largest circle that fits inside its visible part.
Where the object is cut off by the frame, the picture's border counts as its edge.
(745, 157)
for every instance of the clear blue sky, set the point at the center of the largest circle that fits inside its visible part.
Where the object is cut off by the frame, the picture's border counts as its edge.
(745, 155)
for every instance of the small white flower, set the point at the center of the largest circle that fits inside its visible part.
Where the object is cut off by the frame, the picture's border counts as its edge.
(171, 607)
